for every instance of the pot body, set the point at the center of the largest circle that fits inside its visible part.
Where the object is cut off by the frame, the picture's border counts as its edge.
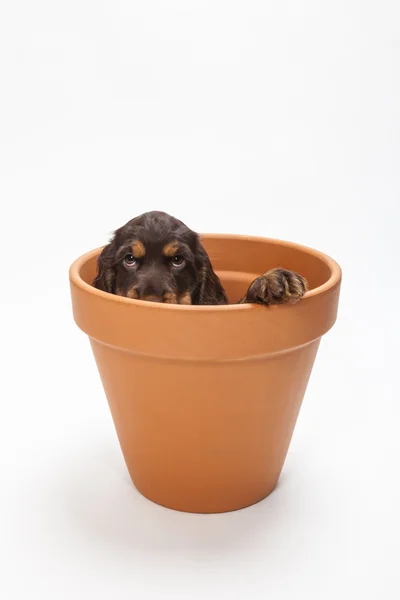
(204, 436)
(205, 399)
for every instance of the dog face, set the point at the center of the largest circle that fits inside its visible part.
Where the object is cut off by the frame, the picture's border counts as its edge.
(155, 257)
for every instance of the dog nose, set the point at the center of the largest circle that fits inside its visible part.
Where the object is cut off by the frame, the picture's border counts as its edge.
(151, 292)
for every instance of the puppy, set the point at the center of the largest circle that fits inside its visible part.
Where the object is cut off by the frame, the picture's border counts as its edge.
(155, 257)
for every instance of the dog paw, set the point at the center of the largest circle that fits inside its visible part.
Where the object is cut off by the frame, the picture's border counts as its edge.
(277, 286)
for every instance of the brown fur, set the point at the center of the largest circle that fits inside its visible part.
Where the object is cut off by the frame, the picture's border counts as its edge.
(170, 298)
(185, 299)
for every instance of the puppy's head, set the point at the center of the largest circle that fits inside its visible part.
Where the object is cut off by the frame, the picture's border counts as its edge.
(156, 257)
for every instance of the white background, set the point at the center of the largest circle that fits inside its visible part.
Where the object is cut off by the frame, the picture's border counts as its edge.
(270, 118)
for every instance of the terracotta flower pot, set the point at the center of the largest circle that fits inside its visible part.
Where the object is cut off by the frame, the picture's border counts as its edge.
(205, 399)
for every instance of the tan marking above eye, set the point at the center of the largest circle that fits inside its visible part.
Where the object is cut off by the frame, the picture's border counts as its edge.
(170, 249)
(138, 249)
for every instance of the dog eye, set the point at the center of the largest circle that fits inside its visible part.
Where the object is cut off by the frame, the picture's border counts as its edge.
(178, 261)
(129, 260)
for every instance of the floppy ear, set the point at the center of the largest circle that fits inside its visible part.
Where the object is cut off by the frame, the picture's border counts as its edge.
(209, 289)
(105, 278)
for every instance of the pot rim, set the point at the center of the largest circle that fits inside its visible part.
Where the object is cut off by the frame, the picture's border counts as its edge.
(334, 279)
